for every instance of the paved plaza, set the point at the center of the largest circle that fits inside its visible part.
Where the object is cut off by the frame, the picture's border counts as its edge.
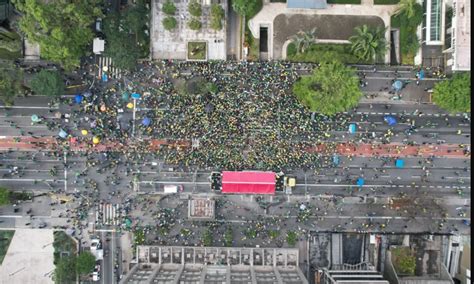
(173, 44)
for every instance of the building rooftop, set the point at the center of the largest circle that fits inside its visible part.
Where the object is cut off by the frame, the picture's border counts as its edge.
(215, 265)
(462, 44)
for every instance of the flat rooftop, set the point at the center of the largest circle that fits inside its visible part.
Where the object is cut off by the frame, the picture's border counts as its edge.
(462, 44)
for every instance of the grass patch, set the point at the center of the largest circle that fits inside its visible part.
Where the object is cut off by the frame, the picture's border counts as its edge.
(7, 54)
(403, 261)
(197, 50)
(386, 2)
(323, 52)
(5, 239)
(63, 245)
(355, 2)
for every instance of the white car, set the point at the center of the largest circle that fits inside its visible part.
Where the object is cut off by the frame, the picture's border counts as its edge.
(96, 273)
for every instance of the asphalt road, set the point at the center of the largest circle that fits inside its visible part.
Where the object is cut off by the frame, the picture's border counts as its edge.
(444, 183)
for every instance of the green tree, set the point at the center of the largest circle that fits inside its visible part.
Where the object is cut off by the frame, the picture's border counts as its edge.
(332, 88)
(63, 29)
(291, 238)
(194, 8)
(194, 24)
(137, 18)
(48, 83)
(123, 51)
(228, 237)
(248, 8)
(169, 23)
(454, 94)
(207, 239)
(65, 271)
(217, 15)
(368, 44)
(406, 7)
(11, 84)
(85, 263)
(303, 40)
(169, 8)
(4, 196)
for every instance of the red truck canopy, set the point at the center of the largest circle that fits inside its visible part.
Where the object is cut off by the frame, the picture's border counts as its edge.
(248, 182)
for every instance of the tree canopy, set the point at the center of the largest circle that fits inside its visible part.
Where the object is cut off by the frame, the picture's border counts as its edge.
(63, 29)
(368, 44)
(217, 15)
(65, 271)
(48, 83)
(11, 84)
(304, 40)
(247, 8)
(454, 94)
(332, 88)
(85, 263)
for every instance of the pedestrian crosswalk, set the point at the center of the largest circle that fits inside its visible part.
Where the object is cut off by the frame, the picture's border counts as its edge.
(106, 66)
(108, 214)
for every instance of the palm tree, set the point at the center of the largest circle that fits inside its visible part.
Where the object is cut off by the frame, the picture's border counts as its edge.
(407, 7)
(303, 40)
(368, 44)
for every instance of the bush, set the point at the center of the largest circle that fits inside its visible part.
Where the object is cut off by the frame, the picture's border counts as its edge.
(169, 8)
(194, 8)
(217, 14)
(409, 42)
(48, 83)
(169, 23)
(194, 24)
(249, 8)
(354, 2)
(291, 238)
(4, 196)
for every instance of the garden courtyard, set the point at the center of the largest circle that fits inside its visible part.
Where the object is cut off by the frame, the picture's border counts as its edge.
(172, 43)
(335, 24)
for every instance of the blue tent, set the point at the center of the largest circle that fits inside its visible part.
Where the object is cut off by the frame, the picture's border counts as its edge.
(399, 163)
(421, 74)
(105, 78)
(35, 118)
(62, 134)
(390, 120)
(335, 159)
(352, 128)
(146, 121)
(135, 96)
(360, 182)
(397, 85)
(78, 99)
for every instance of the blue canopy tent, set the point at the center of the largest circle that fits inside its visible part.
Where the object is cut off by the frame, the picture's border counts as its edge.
(146, 121)
(78, 99)
(399, 163)
(352, 128)
(35, 118)
(62, 134)
(421, 74)
(335, 159)
(136, 96)
(360, 182)
(397, 85)
(390, 120)
(105, 78)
